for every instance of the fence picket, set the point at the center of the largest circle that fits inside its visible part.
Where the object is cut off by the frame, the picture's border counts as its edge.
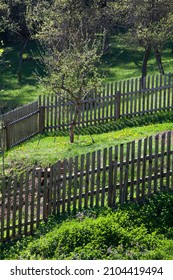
(150, 166)
(14, 208)
(87, 180)
(92, 180)
(121, 172)
(81, 179)
(138, 170)
(168, 162)
(21, 205)
(144, 167)
(98, 178)
(126, 173)
(38, 197)
(26, 200)
(115, 167)
(162, 161)
(8, 207)
(75, 184)
(132, 171)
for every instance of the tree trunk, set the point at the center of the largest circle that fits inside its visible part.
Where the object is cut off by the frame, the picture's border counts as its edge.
(144, 65)
(159, 60)
(73, 123)
(22, 49)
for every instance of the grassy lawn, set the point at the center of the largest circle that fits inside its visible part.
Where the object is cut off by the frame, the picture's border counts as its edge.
(45, 150)
(119, 63)
(12, 93)
(123, 62)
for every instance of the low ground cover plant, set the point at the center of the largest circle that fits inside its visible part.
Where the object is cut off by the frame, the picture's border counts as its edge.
(132, 231)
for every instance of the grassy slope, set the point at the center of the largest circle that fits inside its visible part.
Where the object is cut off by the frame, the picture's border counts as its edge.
(45, 150)
(120, 62)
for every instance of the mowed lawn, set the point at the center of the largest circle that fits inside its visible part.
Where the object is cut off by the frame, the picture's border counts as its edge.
(45, 150)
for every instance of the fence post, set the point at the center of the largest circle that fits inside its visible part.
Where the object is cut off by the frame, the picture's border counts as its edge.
(118, 104)
(7, 128)
(41, 118)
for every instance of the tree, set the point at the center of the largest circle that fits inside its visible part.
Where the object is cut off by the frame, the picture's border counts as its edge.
(72, 50)
(14, 22)
(149, 25)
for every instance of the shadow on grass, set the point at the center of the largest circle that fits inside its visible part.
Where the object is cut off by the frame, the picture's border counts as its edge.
(13, 93)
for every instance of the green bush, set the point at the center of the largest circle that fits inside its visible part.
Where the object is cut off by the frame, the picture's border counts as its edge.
(133, 231)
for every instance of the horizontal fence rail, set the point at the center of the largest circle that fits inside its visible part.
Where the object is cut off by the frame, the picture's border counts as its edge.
(128, 172)
(116, 100)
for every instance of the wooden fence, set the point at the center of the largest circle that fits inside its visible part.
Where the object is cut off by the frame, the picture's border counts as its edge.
(20, 124)
(125, 173)
(116, 100)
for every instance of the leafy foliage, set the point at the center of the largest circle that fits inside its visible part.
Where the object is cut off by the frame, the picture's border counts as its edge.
(132, 231)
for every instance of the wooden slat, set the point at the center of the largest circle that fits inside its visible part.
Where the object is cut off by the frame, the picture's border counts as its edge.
(150, 166)
(64, 164)
(156, 163)
(168, 161)
(54, 185)
(20, 204)
(121, 197)
(14, 207)
(148, 103)
(3, 193)
(103, 104)
(70, 170)
(75, 184)
(125, 187)
(132, 171)
(58, 182)
(114, 192)
(138, 171)
(110, 179)
(38, 197)
(45, 189)
(92, 179)
(144, 167)
(87, 180)
(104, 177)
(32, 201)
(8, 208)
(98, 177)
(81, 180)
(162, 161)
(26, 203)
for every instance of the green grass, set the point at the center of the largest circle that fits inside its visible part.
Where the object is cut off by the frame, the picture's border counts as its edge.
(119, 63)
(123, 62)
(131, 232)
(45, 150)
(12, 93)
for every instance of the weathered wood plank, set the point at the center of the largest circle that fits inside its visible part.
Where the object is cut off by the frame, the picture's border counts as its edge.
(87, 183)
(98, 178)
(104, 177)
(92, 179)
(81, 180)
